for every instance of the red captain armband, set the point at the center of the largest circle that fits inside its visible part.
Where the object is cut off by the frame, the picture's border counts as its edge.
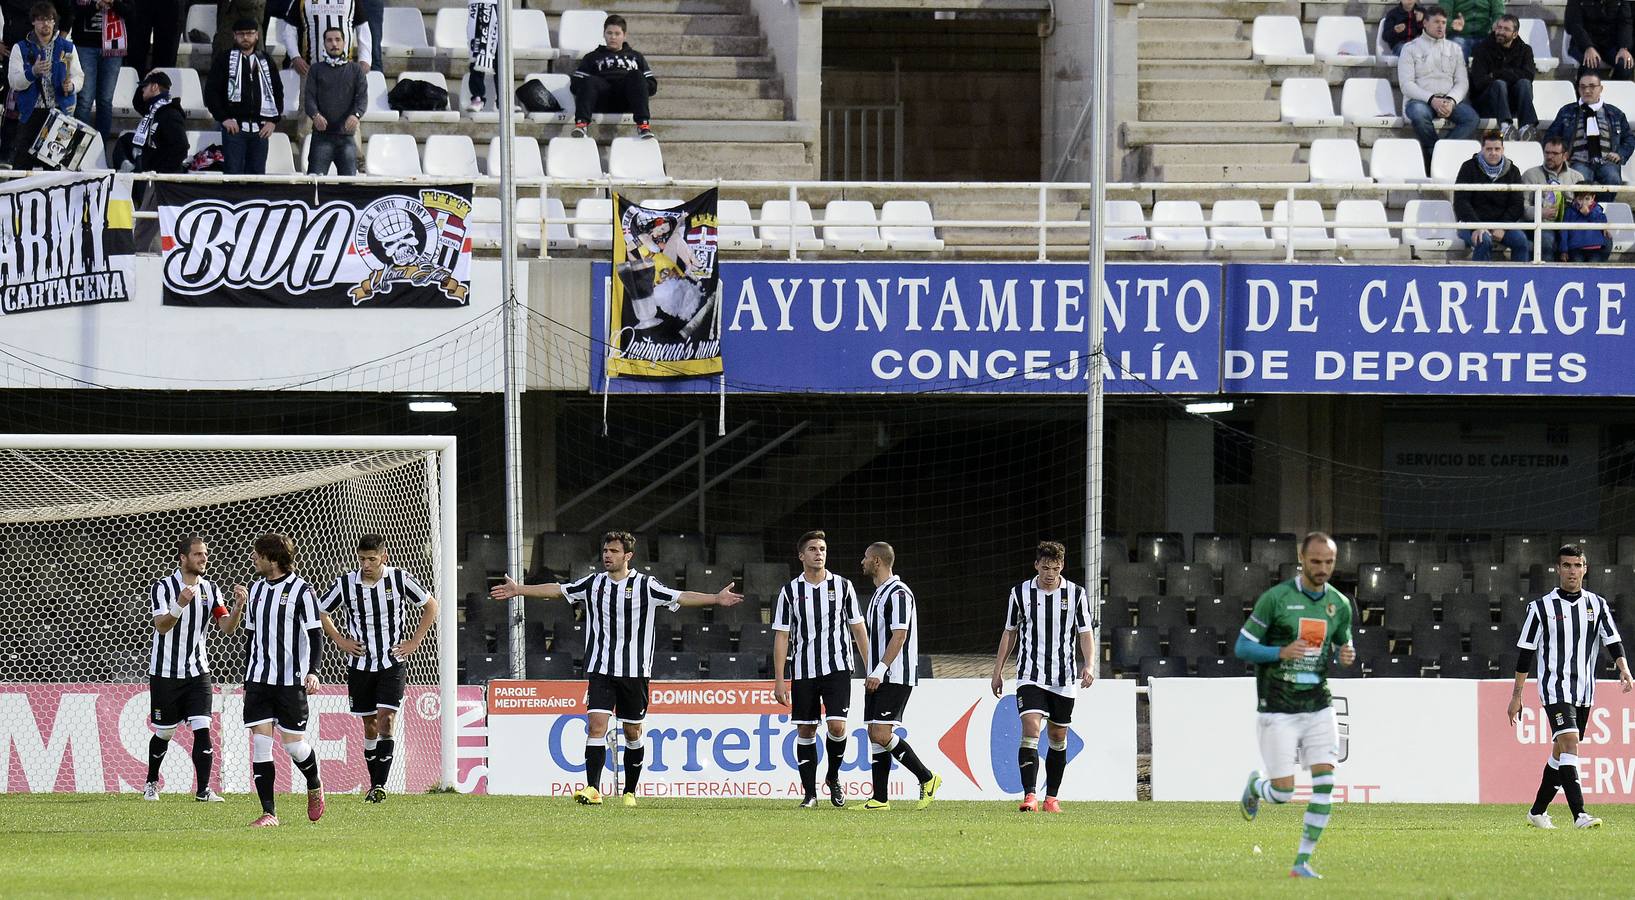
(218, 611)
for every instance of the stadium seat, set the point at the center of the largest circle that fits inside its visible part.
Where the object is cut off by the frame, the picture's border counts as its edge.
(1619, 214)
(1496, 578)
(1225, 614)
(1178, 225)
(531, 36)
(705, 578)
(1162, 667)
(550, 665)
(736, 232)
(1437, 579)
(741, 615)
(1412, 549)
(579, 31)
(1195, 643)
(1471, 548)
(754, 637)
(1307, 102)
(569, 639)
(187, 88)
(1216, 550)
(484, 668)
(526, 161)
(392, 154)
(735, 667)
(1116, 613)
(1245, 579)
(734, 550)
(1611, 581)
(280, 156)
(1527, 550)
(576, 158)
(1597, 550)
(851, 225)
(1361, 225)
(905, 226)
(1382, 51)
(483, 227)
(377, 109)
(594, 230)
(1548, 99)
(1397, 161)
(561, 88)
(1336, 159)
(1429, 225)
(403, 35)
(1536, 35)
(1160, 547)
(1124, 230)
(1526, 154)
(765, 580)
(1369, 103)
(1222, 667)
(559, 550)
(449, 154)
(1395, 667)
(292, 91)
(1626, 551)
(1248, 236)
(706, 639)
(682, 665)
(1162, 613)
(1132, 579)
(1352, 551)
(1131, 645)
(1448, 156)
(1467, 611)
(1619, 93)
(1404, 612)
(1274, 549)
(1370, 643)
(1541, 579)
(198, 141)
(1494, 641)
(429, 115)
(1463, 666)
(1188, 580)
(636, 158)
(1341, 41)
(924, 669)
(775, 218)
(1377, 580)
(488, 115)
(199, 18)
(1309, 231)
(1279, 41)
(448, 32)
(1433, 641)
(125, 91)
(1114, 548)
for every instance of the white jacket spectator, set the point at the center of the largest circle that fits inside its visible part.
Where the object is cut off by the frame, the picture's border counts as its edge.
(1430, 67)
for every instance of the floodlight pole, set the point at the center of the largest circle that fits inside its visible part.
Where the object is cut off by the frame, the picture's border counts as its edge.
(515, 321)
(1095, 419)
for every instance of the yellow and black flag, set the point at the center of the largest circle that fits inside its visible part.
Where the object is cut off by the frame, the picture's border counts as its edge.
(664, 314)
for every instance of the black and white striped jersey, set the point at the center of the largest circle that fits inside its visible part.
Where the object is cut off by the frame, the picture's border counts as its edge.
(180, 652)
(375, 615)
(1567, 634)
(280, 617)
(816, 617)
(890, 609)
(619, 621)
(1048, 625)
(306, 21)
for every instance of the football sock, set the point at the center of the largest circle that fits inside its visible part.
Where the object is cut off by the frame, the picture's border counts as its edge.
(837, 754)
(1265, 791)
(595, 758)
(806, 756)
(1549, 784)
(264, 775)
(1569, 783)
(156, 755)
(204, 756)
(301, 754)
(383, 761)
(1317, 811)
(1027, 763)
(633, 759)
(369, 759)
(903, 753)
(880, 765)
(1055, 768)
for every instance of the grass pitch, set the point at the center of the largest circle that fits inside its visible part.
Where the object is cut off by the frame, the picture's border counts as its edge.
(462, 846)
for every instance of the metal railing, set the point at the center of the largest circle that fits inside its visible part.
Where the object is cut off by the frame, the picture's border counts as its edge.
(863, 131)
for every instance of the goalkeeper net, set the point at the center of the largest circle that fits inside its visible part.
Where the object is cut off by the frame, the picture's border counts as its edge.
(88, 524)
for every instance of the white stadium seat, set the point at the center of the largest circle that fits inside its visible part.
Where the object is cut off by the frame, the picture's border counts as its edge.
(1622, 238)
(438, 115)
(637, 158)
(596, 231)
(377, 109)
(403, 34)
(1123, 228)
(579, 31)
(557, 235)
(775, 217)
(125, 92)
(560, 88)
(1448, 156)
(1382, 50)
(392, 154)
(906, 225)
(851, 225)
(530, 36)
(736, 232)
(1548, 99)
(1525, 154)
(1361, 225)
(1369, 102)
(186, 87)
(201, 18)
(571, 157)
(1341, 41)
(292, 92)
(1336, 159)
(1279, 41)
(449, 32)
(1619, 93)
(1429, 225)
(1536, 35)
(484, 225)
(490, 113)
(1397, 161)
(201, 140)
(280, 156)
(1307, 102)
(449, 154)
(1239, 237)
(529, 214)
(526, 161)
(1179, 225)
(1309, 231)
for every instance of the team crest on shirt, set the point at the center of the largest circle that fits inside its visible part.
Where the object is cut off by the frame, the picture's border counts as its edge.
(1332, 608)
(1064, 604)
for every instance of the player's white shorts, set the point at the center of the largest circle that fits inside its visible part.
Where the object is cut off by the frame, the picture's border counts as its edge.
(1290, 741)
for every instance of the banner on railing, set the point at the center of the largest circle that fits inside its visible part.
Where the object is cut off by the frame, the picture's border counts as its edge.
(665, 318)
(956, 327)
(65, 240)
(333, 246)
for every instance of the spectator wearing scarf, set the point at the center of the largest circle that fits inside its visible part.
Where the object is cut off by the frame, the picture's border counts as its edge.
(483, 35)
(1491, 167)
(102, 36)
(1597, 134)
(245, 95)
(159, 143)
(45, 74)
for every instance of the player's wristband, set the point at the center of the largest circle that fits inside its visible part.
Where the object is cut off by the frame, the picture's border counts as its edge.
(175, 610)
(879, 671)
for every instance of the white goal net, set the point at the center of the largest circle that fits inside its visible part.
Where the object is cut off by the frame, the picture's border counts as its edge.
(89, 523)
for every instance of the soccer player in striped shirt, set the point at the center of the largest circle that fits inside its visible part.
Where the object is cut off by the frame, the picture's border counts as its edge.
(815, 610)
(1295, 629)
(280, 611)
(1045, 616)
(620, 608)
(894, 651)
(183, 606)
(1561, 640)
(373, 598)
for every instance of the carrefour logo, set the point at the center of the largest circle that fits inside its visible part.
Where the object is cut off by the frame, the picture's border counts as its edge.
(1004, 731)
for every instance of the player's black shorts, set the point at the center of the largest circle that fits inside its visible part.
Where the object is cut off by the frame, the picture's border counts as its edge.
(173, 701)
(286, 706)
(375, 690)
(826, 696)
(1564, 717)
(625, 698)
(886, 705)
(1031, 698)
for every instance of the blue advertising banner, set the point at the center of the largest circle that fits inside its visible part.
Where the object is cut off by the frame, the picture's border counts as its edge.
(1444, 330)
(887, 327)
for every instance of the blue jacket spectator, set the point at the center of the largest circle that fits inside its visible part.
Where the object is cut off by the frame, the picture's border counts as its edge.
(1587, 245)
(1598, 156)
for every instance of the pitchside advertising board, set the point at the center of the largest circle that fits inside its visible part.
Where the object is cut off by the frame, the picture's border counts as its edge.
(1402, 740)
(726, 739)
(842, 327)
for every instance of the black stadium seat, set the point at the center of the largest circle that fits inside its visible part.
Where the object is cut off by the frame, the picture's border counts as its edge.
(703, 639)
(1377, 580)
(1437, 579)
(1475, 549)
(681, 550)
(1249, 579)
(1116, 613)
(1541, 579)
(1496, 578)
(1216, 550)
(1224, 614)
(1597, 550)
(765, 580)
(734, 551)
(678, 666)
(740, 614)
(1467, 611)
(1494, 642)
(707, 579)
(1464, 666)
(735, 666)
(1433, 641)
(1114, 549)
(1162, 613)
(1132, 579)
(1626, 550)
(1194, 643)
(1527, 550)
(1163, 667)
(1610, 581)
(1130, 645)
(1223, 667)
(1405, 611)
(550, 665)
(1394, 667)
(1160, 548)
(1273, 550)
(1188, 579)
(1353, 551)
(1413, 550)
(755, 639)
(569, 639)
(1370, 643)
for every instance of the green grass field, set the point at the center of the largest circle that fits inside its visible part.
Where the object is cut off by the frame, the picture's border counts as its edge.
(485, 846)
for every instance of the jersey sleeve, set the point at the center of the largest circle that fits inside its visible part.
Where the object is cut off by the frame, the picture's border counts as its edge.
(854, 613)
(158, 599)
(578, 591)
(1609, 628)
(1013, 611)
(249, 610)
(781, 611)
(1083, 620)
(1530, 628)
(1260, 618)
(333, 597)
(412, 589)
(661, 594)
(309, 608)
(901, 610)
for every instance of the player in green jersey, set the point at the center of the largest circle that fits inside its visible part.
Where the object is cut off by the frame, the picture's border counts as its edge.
(1296, 628)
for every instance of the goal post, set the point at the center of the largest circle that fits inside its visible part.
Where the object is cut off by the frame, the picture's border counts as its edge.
(89, 522)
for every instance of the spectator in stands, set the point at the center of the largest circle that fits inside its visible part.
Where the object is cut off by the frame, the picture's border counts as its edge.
(613, 78)
(336, 95)
(1588, 245)
(229, 13)
(1402, 23)
(13, 30)
(1470, 21)
(374, 15)
(1601, 36)
(1557, 174)
(45, 72)
(1489, 166)
(483, 38)
(102, 36)
(156, 34)
(305, 33)
(246, 96)
(1501, 80)
(1431, 73)
(1597, 133)
(159, 143)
